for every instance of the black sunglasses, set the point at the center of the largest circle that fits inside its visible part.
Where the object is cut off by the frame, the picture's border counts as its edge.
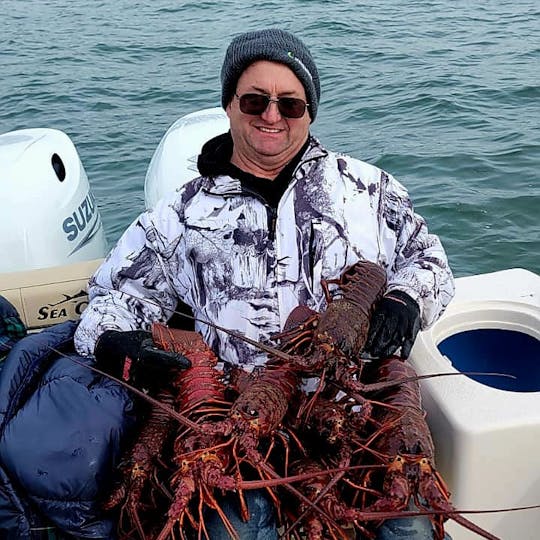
(256, 104)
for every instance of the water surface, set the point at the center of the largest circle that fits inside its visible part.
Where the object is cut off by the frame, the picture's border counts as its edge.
(444, 94)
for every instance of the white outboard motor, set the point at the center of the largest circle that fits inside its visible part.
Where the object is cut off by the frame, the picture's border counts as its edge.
(175, 160)
(48, 215)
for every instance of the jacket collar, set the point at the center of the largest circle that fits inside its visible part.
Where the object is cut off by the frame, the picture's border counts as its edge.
(227, 179)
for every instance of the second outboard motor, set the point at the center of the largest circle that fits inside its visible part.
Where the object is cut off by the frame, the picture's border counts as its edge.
(175, 159)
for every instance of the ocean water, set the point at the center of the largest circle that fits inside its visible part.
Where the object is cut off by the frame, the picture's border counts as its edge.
(444, 94)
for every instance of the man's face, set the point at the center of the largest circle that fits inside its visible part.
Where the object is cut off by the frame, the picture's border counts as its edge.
(267, 141)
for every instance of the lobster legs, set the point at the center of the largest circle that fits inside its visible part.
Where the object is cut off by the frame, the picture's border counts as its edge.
(404, 445)
(227, 438)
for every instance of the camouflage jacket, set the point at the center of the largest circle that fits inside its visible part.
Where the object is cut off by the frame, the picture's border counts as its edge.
(220, 249)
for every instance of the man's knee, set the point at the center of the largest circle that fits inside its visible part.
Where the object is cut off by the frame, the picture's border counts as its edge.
(410, 528)
(261, 510)
(260, 526)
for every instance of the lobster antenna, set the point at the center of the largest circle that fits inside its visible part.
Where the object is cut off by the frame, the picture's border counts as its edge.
(266, 348)
(177, 416)
(377, 387)
(374, 387)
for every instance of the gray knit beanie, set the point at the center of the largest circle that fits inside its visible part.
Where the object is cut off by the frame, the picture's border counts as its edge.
(276, 46)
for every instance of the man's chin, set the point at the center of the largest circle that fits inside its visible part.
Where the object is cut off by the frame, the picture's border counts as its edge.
(271, 148)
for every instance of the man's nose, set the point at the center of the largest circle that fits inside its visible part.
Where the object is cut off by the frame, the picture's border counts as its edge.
(271, 113)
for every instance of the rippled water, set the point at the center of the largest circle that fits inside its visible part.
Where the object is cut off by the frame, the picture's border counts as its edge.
(445, 95)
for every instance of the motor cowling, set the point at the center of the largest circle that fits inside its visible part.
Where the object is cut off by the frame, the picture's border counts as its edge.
(49, 215)
(175, 159)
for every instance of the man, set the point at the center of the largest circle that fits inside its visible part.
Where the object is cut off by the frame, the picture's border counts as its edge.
(271, 213)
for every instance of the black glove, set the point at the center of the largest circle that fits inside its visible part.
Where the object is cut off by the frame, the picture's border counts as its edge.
(394, 324)
(133, 357)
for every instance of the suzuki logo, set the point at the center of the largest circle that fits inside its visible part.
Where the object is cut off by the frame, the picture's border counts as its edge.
(77, 222)
(85, 218)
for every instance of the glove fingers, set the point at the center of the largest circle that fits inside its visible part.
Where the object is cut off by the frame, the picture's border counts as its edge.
(409, 340)
(151, 356)
(374, 330)
(406, 348)
(113, 346)
(387, 349)
(384, 343)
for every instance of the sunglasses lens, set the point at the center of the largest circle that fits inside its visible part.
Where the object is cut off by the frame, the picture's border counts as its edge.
(291, 107)
(257, 103)
(253, 103)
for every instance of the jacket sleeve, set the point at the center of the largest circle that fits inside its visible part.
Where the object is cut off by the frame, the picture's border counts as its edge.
(133, 287)
(418, 264)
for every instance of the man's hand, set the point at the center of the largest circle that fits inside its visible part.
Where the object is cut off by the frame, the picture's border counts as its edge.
(133, 357)
(394, 324)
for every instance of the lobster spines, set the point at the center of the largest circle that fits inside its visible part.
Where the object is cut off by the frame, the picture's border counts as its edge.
(139, 467)
(180, 341)
(404, 428)
(267, 394)
(298, 317)
(403, 441)
(334, 427)
(345, 323)
(333, 337)
(327, 498)
(362, 284)
(264, 403)
(202, 382)
(327, 421)
(342, 329)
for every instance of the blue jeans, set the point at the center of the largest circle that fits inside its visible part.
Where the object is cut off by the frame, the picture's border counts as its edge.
(409, 528)
(262, 523)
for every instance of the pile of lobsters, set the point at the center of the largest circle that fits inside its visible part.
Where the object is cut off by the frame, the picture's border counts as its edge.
(336, 460)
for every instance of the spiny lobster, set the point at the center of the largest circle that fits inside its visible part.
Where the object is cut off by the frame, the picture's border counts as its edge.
(402, 443)
(237, 430)
(138, 469)
(201, 464)
(325, 342)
